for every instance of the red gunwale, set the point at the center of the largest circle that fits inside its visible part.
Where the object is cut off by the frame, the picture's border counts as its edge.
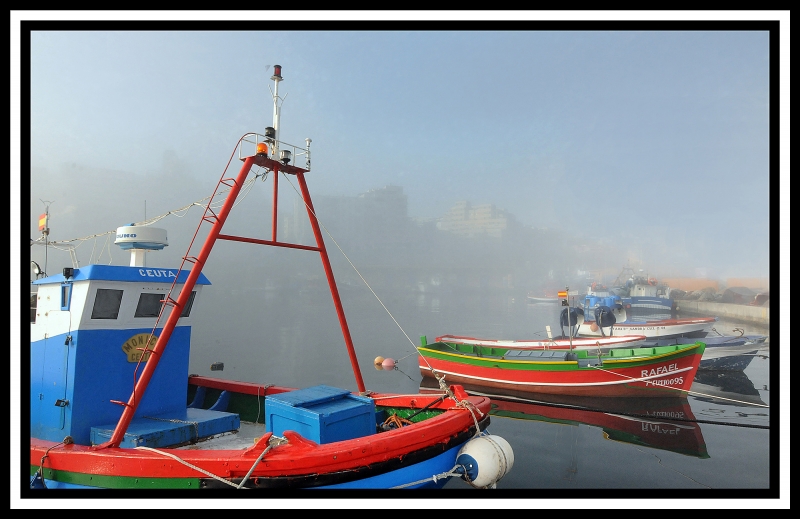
(300, 456)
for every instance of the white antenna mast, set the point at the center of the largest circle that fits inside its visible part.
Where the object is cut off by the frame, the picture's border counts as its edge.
(272, 132)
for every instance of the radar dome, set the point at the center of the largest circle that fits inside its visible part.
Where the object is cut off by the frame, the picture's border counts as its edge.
(141, 237)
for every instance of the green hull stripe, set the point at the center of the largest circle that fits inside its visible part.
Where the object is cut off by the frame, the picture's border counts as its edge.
(444, 352)
(94, 480)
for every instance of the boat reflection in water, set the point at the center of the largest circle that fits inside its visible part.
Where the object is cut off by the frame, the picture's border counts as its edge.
(659, 423)
(726, 388)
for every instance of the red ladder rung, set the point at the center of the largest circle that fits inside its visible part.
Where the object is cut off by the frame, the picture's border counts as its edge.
(170, 301)
(213, 219)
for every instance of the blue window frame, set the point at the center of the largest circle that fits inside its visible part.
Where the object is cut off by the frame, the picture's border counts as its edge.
(66, 295)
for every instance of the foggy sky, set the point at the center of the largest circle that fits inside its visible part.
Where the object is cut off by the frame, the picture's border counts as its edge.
(653, 141)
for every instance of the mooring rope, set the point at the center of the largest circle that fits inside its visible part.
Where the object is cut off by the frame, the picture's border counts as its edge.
(40, 473)
(435, 478)
(322, 225)
(269, 447)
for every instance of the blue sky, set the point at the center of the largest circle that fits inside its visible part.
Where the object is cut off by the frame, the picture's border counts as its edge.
(656, 141)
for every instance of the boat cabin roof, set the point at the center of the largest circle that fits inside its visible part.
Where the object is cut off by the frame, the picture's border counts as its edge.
(123, 273)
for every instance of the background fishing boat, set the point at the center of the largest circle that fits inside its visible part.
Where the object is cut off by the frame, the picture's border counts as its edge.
(569, 319)
(605, 315)
(723, 352)
(606, 318)
(620, 372)
(686, 327)
(644, 297)
(547, 299)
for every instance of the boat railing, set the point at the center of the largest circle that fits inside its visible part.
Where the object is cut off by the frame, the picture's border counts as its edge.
(248, 147)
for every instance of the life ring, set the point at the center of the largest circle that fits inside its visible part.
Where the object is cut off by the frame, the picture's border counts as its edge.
(653, 281)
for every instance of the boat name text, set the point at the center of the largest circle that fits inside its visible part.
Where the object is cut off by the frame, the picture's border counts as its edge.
(667, 382)
(153, 273)
(659, 429)
(659, 370)
(135, 346)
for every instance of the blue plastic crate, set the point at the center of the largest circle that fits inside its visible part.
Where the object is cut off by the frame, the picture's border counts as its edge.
(323, 414)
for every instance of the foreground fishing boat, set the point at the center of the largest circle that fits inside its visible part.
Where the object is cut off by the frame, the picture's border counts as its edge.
(113, 404)
(619, 372)
(659, 423)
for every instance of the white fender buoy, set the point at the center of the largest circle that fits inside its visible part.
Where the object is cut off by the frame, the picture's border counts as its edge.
(485, 460)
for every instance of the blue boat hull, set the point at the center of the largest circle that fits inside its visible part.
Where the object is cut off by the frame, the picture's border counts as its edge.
(418, 476)
(429, 474)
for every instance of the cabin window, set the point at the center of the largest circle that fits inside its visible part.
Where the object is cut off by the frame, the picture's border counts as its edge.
(149, 305)
(66, 293)
(34, 299)
(106, 304)
(188, 307)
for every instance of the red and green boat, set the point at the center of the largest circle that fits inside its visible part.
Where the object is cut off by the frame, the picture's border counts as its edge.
(420, 437)
(114, 406)
(665, 371)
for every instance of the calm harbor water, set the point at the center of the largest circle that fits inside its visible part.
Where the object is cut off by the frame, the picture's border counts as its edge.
(721, 441)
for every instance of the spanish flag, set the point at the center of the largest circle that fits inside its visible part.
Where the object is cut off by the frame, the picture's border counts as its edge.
(43, 222)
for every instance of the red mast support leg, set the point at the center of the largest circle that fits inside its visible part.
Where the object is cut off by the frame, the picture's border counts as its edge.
(186, 291)
(331, 281)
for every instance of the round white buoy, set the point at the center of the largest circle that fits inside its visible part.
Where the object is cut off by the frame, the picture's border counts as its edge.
(485, 460)
(388, 364)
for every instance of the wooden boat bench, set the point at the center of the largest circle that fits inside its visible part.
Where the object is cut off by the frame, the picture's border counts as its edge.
(554, 355)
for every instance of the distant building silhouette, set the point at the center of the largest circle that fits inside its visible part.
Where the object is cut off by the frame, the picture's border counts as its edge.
(470, 221)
